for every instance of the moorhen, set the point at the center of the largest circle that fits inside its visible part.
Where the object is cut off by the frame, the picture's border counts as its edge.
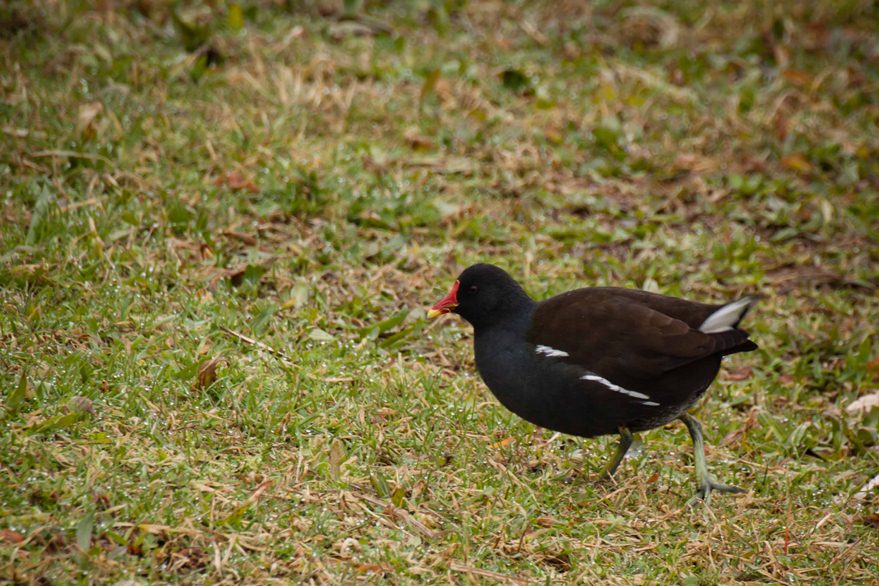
(598, 360)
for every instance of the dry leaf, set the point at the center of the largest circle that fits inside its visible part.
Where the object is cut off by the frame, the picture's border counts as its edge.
(737, 434)
(11, 536)
(863, 404)
(235, 180)
(340, 30)
(240, 237)
(868, 488)
(417, 140)
(87, 114)
(207, 373)
(738, 374)
(82, 405)
(796, 77)
(503, 443)
(554, 136)
(561, 561)
(337, 456)
(368, 568)
(796, 162)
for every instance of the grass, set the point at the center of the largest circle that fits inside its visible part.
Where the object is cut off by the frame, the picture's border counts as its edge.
(221, 225)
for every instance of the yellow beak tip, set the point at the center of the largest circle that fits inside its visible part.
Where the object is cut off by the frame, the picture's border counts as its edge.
(434, 313)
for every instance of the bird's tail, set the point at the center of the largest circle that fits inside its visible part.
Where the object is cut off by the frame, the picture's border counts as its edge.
(724, 324)
(727, 317)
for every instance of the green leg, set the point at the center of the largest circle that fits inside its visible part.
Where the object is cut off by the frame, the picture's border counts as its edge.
(622, 448)
(707, 483)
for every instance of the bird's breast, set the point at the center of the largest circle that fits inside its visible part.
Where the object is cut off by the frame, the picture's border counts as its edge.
(504, 367)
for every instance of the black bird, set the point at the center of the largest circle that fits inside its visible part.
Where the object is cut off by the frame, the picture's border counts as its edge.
(598, 360)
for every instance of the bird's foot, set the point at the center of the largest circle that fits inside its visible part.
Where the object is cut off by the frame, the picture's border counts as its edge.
(710, 485)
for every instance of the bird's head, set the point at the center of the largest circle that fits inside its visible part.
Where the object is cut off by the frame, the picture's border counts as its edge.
(482, 294)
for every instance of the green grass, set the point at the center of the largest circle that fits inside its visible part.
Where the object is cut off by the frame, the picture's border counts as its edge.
(283, 188)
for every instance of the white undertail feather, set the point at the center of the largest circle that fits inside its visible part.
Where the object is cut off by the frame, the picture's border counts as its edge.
(725, 318)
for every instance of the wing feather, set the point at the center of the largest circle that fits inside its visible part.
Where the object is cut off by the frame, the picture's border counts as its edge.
(624, 335)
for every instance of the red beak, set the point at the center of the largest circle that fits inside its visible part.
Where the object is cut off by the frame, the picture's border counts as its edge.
(446, 304)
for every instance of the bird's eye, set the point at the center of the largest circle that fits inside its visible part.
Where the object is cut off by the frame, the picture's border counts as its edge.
(473, 289)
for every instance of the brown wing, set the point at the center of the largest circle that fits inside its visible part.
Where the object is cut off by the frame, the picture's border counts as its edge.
(626, 335)
(691, 313)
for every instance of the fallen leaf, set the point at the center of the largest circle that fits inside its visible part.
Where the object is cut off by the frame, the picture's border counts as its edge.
(236, 181)
(319, 335)
(451, 165)
(81, 405)
(796, 77)
(739, 374)
(863, 404)
(207, 373)
(340, 30)
(868, 488)
(249, 273)
(503, 443)
(786, 379)
(86, 116)
(367, 568)
(11, 536)
(240, 237)
(737, 434)
(796, 162)
(337, 456)
(298, 297)
(417, 140)
(561, 561)
(554, 136)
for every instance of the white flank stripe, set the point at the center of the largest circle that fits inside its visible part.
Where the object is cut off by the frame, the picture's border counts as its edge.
(650, 403)
(551, 352)
(726, 317)
(613, 387)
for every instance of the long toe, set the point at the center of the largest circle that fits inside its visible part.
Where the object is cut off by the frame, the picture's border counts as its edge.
(724, 487)
(710, 485)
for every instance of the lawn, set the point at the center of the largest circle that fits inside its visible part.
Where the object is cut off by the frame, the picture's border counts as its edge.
(221, 225)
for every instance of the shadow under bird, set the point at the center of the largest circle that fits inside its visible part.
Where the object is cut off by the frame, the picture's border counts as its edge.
(598, 360)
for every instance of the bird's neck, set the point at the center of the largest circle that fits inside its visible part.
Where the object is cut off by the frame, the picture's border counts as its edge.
(515, 317)
(503, 355)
